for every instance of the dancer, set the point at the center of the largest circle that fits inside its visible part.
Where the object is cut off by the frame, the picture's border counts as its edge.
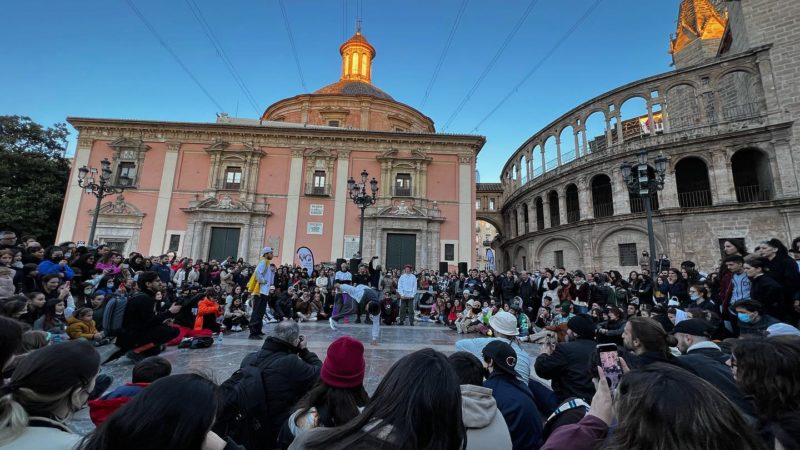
(359, 293)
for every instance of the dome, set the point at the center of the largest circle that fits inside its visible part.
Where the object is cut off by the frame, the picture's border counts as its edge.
(349, 87)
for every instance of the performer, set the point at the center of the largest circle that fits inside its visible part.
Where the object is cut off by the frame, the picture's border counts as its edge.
(359, 293)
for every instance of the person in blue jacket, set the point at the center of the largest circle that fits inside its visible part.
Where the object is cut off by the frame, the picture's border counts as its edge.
(514, 399)
(55, 262)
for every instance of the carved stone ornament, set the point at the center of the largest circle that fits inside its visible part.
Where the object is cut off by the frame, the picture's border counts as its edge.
(119, 207)
(223, 203)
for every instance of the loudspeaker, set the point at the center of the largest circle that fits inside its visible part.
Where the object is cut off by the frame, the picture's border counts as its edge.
(442, 268)
(462, 268)
(354, 263)
(339, 262)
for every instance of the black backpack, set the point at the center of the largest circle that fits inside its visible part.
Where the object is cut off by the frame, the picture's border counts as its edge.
(243, 405)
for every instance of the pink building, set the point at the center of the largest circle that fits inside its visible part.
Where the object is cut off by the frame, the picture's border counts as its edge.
(210, 190)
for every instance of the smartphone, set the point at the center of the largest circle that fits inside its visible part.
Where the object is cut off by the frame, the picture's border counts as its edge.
(609, 361)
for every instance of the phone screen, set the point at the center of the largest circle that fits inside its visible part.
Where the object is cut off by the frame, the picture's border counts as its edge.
(609, 361)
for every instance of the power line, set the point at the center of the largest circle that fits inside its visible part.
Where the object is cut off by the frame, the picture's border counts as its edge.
(344, 20)
(491, 64)
(209, 32)
(294, 48)
(539, 64)
(444, 53)
(173, 54)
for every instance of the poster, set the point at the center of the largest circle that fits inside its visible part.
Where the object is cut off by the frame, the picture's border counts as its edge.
(314, 228)
(350, 246)
(316, 210)
(490, 260)
(306, 259)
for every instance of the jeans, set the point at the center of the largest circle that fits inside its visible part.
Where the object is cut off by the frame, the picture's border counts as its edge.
(376, 327)
(406, 308)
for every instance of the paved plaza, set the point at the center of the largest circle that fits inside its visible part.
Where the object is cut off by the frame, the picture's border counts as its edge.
(223, 358)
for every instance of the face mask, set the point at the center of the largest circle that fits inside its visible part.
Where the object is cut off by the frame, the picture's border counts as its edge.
(56, 258)
(110, 285)
(694, 297)
(744, 317)
(87, 291)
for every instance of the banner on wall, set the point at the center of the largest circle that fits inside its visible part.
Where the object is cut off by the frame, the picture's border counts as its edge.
(490, 260)
(306, 258)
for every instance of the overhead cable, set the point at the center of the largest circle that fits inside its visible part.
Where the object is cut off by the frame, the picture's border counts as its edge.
(444, 53)
(291, 42)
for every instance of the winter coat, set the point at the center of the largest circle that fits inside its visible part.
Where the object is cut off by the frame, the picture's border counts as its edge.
(101, 408)
(486, 427)
(42, 433)
(515, 402)
(46, 267)
(569, 369)
(7, 287)
(756, 329)
(708, 363)
(80, 329)
(287, 375)
(587, 434)
(206, 307)
(769, 293)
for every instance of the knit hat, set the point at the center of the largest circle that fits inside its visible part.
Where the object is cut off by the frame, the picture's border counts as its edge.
(503, 356)
(582, 326)
(504, 323)
(266, 250)
(344, 366)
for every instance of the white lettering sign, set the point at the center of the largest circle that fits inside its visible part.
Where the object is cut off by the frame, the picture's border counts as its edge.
(316, 210)
(314, 228)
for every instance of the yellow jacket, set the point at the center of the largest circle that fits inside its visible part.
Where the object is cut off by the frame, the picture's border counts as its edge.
(80, 329)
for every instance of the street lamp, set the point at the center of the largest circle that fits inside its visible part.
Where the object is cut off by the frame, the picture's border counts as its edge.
(100, 187)
(358, 192)
(637, 178)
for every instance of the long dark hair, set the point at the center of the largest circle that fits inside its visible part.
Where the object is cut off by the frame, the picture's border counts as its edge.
(174, 412)
(667, 393)
(769, 370)
(49, 313)
(405, 414)
(335, 406)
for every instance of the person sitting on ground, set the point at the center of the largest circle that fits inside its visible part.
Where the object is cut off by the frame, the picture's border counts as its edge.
(174, 412)
(663, 391)
(752, 321)
(486, 427)
(144, 372)
(568, 364)
(514, 398)
(82, 326)
(522, 321)
(470, 321)
(504, 328)
(337, 397)
(236, 314)
(768, 370)
(208, 310)
(402, 414)
(52, 319)
(288, 371)
(47, 387)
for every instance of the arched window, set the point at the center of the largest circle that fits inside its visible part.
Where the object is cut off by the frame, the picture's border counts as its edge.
(567, 140)
(536, 161)
(550, 154)
(752, 178)
(595, 126)
(691, 179)
(634, 118)
(552, 198)
(539, 213)
(573, 204)
(602, 196)
(523, 164)
(684, 111)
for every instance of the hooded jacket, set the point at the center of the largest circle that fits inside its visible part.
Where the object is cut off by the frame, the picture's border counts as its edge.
(516, 403)
(486, 427)
(79, 329)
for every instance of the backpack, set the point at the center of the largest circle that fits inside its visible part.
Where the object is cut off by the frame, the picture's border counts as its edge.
(242, 405)
(113, 315)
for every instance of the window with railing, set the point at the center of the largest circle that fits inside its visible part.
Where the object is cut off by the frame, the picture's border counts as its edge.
(627, 255)
(233, 178)
(319, 183)
(402, 185)
(638, 206)
(754, 193)
(491, 204)
(694, 199)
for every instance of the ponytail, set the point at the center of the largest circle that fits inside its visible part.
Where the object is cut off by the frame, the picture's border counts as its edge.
(13, 418)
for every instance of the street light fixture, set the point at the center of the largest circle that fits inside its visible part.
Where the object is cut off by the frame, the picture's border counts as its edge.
(362, 199)
(100, 187)
(639, 182)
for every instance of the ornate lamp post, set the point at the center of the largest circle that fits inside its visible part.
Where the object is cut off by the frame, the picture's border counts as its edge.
(100, 187)
(637, 178)
(362, 199)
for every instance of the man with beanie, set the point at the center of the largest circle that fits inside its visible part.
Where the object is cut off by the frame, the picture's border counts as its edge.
(568, 364)
(504, 328)
(265, 276)
(288, 371)
(514, 399)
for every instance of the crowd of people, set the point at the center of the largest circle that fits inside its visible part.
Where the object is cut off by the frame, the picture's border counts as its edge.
(713, 352)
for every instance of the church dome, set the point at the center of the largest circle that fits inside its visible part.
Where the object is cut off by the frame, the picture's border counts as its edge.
(349, 87)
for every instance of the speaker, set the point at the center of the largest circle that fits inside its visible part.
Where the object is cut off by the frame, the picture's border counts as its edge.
(442, 268)
(462, 268)
(339, 262)
(354, 263)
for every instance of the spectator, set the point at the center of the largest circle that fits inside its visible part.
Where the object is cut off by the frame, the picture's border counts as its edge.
(55, 263)
(783, 269)
(486, 427)
(288, 371)
(145, 372)
(34, 308)
(52, 319)
(514, 399)
(504, 328)
(765, 289)
(45, 389)
(648, 342)
(569, 364)
(144, 331)
(752, 321)
(31, 340)
(82, 326)
(174, 412)
(11, 334)
(402, 414)
(337, 397)
(407, 288)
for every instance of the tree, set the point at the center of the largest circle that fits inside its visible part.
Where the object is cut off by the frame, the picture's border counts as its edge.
(33, 176)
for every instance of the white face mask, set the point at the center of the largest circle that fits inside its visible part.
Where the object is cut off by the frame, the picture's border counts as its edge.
(694, 297)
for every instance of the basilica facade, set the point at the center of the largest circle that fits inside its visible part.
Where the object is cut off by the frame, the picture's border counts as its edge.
(232, 186)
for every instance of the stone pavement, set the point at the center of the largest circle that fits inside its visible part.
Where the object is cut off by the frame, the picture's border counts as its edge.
(223, 358)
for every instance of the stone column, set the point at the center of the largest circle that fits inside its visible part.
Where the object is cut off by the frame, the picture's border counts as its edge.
(585, 141)
(531, 215)
(721, 178)
(157, 239)
(668, 197)
(584, 200)
(620, 139)
(558, 150)
(562, 207)
(546, 211)
(622, 202)
(544, 163)
(575, 132)
(785, 184)
(609, 140)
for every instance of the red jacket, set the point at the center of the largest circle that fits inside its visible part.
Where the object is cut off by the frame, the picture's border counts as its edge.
(100, 409)
(204, 308)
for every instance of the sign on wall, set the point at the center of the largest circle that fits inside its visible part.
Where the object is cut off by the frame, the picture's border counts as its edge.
(316, 210)
(490, 266)
(350, 246)
(314, 228)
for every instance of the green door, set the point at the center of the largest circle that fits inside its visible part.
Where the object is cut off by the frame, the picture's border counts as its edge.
(401, 249)
(224, 243)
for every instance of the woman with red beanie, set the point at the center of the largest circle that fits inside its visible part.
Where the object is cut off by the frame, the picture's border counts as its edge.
(338, 396)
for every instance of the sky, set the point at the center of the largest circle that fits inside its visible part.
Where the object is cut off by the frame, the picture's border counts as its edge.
(512, 66)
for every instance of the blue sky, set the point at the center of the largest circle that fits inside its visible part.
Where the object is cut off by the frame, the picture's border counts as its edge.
(97, 59)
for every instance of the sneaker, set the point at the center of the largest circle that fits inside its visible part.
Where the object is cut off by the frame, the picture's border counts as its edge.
(358, 319)
(332, 323)
(135, 357)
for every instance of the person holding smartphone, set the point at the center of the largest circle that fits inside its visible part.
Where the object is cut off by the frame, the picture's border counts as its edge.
(567, 364)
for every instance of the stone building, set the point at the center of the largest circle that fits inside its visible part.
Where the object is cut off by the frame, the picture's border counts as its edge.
(726, 119)
(211, 190)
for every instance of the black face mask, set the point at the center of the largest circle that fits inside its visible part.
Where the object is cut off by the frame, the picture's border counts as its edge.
(56, 258)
